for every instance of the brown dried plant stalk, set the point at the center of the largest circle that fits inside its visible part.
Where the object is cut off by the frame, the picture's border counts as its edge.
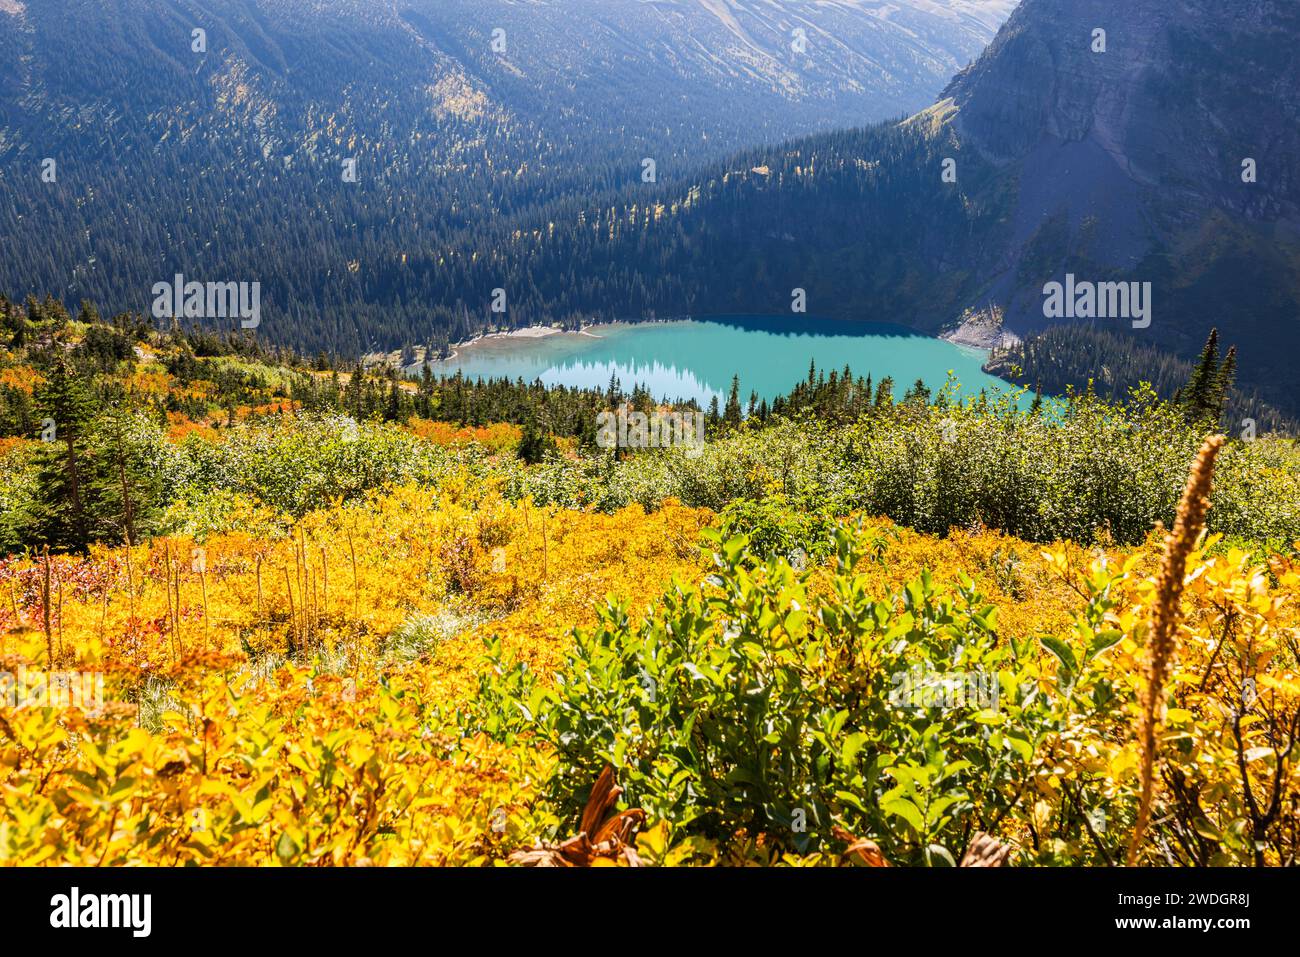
(45, 608)
(1166, 613)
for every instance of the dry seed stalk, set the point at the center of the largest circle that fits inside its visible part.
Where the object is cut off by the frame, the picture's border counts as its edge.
(61, 644)
(1162, 643)
(130, 585)
(545, 562)
(203, 584)
(45, 608)
(293, 615)
(13, 600)
(103, 610)
(356, 582)
(325, 582)
(180, 644)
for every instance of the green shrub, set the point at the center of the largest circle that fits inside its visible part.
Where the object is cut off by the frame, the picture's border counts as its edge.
(775, 529)
(731, 711)
(1086, 471)
(296, 464)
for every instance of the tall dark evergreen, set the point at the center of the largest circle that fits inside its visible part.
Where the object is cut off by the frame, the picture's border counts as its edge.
(731, 414)
(1197, 396)
(67, 406)
(1205, 396)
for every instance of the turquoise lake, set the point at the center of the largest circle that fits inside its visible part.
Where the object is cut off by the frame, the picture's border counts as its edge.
(696, 359)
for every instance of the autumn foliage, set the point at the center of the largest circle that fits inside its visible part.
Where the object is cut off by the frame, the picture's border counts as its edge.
(324, 697)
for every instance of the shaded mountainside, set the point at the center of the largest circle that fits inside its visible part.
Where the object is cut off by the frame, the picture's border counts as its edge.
(1126, 165)
(1123, 165)
(226, 164)
(1129, 163)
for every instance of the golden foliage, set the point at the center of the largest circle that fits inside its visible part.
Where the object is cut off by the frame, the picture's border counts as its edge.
(292, 700)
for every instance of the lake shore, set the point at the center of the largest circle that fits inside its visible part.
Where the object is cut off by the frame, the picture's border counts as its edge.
(498, 342)
(977, 333)
(699, 359)
(541, 332)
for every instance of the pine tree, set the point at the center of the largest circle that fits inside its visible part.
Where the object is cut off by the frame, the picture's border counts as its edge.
(885, 393)
(355, 396)
(1205, 396)
(534, 447)
(1223, 382)
(732, 414)
(66, 405)
(1197, 397)
(425, 407)
(124, 483)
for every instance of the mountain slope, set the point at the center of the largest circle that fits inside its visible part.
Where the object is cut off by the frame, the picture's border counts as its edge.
(522, 172)
(1124, 165)
(1132, 159)
(225, 164)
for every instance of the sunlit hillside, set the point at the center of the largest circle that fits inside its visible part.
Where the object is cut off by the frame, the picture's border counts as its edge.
(301, 631)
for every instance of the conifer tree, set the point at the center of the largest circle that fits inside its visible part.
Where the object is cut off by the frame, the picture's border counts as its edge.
(1198, 395)
(732, 414)
(885, 393)
(1205, 397)
(66, 405)
(124, 482)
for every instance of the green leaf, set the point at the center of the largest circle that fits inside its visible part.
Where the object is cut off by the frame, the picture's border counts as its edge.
(936, 855)
(1062, 651)
(1021, 747)
(852, 800)
(285, 848)
(909, 812)
(853, 743)
(1206, 829)
(935, 812)
(1104, 640)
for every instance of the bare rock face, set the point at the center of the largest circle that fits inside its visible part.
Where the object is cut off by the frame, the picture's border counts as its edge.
(982, 329)
(1146, 140)
(1177, 93)
(1043, 76)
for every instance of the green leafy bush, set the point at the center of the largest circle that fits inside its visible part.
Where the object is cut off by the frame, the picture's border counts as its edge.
(774, 529)
(1086, 470)
(731, 711)
(298, 464)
